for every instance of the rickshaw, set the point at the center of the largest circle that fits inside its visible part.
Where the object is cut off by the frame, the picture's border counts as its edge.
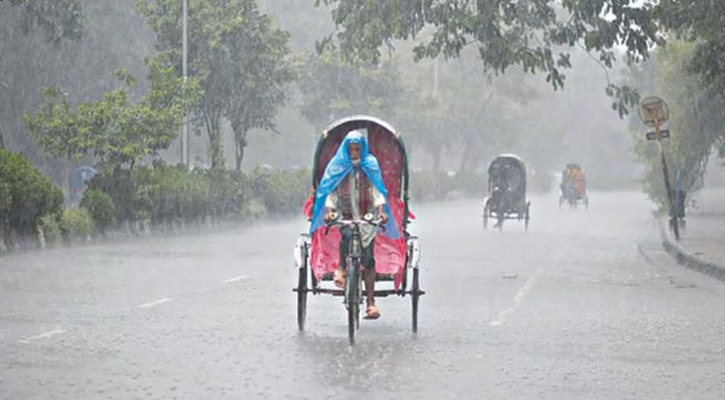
(572, 189)
(506, 191)
(397, 260)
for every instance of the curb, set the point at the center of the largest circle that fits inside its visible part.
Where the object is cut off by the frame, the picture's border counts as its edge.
(688, 259)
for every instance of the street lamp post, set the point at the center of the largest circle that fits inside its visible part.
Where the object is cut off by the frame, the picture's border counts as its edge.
(185, 129)
(653, 111)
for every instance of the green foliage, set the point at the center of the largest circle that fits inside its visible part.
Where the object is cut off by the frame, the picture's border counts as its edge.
(695, 124)
(332, 89)
(280, 192)
(505, 32)
(59, 19)
(121, 187)
(100, 207)
(164, 195)
(115, 130)
(26, 195)
(239, 58)
(229, 191)
(56, 127)
(702, 23)
(51, 228)
(76, 225)
(167, 194)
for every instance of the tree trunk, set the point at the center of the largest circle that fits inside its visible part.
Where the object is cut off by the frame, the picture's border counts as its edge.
(239, 154)
(216, 150)
(240, 140)
(216, 146)
(70, 179)
(3, 247)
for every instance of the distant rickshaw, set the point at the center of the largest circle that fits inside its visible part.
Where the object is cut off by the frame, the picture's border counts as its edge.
(573, 189)
(506, 191)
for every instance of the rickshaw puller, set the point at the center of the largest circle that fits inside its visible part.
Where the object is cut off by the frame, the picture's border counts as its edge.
(354, 196)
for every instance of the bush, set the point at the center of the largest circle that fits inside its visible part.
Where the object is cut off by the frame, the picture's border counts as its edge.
(100, 207)
(281, 192)
(26, 195)
(165, 195)
(51, 229)
(122, 188)
(76, 225)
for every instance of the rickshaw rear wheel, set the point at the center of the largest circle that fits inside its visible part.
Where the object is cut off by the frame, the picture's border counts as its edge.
(414, 296)
(486, 211)
(526, 217)
(302, 296)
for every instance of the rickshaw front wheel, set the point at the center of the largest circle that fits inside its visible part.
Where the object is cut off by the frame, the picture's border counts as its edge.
(352, 298)
(414, 296)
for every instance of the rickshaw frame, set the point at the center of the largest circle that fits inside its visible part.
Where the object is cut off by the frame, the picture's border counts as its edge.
(569, 196)
(520, 209)
(308, 282)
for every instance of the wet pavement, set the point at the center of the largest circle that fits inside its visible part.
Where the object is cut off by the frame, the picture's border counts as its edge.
(704, 233)
(584, 305)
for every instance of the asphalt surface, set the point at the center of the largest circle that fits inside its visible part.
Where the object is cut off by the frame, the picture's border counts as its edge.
(586, 305)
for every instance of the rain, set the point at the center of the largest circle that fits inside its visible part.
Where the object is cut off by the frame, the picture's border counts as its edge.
(194, 195)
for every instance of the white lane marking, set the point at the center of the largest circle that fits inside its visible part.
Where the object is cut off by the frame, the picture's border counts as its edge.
(42, 336)
(154, 303)
(518, 299)
(236, 279)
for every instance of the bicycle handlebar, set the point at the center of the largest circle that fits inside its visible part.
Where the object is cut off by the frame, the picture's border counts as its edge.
(377, 222)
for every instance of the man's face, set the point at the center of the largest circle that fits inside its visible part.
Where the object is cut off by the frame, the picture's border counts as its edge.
(354, 150)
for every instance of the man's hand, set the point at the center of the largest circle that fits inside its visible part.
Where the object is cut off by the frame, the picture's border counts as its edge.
(381, 213)
(383, 218)
(330, 216)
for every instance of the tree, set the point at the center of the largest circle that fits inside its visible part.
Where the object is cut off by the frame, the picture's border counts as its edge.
(112, 35)
(117, 132)
(59, 19)
(332, 89)
(696, 122)
(505, 32)
(239, 59)
(56, 127)
(702, 23)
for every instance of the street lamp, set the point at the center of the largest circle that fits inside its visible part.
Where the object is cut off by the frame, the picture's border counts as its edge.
(185, 129)
(653, 112)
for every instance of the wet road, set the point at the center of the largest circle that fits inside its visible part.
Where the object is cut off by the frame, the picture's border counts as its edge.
(584, 305)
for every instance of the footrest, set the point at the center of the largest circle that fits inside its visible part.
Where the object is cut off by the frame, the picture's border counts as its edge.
(378, 277)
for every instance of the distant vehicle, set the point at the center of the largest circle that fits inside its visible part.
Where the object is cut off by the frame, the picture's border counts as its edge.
(572, 189)
(506, 191)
